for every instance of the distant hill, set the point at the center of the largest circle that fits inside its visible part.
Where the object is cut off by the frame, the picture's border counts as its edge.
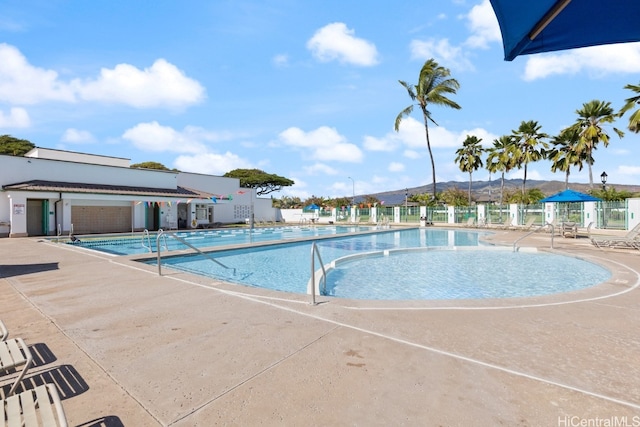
(490, 190)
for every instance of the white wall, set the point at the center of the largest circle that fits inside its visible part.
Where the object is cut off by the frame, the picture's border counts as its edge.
(211, 184)
(634, 212)
(71, 156)
(20, 169)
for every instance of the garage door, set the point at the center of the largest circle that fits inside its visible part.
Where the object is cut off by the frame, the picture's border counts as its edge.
(100, 219)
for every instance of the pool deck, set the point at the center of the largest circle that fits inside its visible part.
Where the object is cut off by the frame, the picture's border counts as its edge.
(127, 347)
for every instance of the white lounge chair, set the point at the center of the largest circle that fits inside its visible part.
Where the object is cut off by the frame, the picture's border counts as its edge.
(630, 241)
(37, 407)
(527, 226)
(4, 334)
(506, 225)
(14, 354)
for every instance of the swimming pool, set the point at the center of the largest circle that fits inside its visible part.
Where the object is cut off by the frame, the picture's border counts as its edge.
(453, 265)
(143, 243)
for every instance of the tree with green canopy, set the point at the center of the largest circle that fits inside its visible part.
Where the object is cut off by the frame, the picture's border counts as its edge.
(315, 200)
(634, 118)
(371, 200)
(500, 159)
(533, 195)
(592, 118)
(469, 157)
(434, 84)
(14, 146)
(425, 199)
(339, 202)
(563, 153)
(263, 182)
(528, 146)
(287, 202)
(454, 197)
(150, 165)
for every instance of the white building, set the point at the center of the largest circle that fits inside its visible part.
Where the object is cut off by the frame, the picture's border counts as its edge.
(49, 192)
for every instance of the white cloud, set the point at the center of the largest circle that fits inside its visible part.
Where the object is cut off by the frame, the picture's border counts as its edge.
(596, 60)
(21, 83)
(157, 138)
(486, 136)
(396, 167)
(324, 143)
(280, 60)
(412, 154)
(161, 85)
(388, 143)
(211, 163)
(628, 170)
(76, 136)
(320, 169)
(337, 42)
(412, 135)
(442, 51)
(483, 25)
(17, 118)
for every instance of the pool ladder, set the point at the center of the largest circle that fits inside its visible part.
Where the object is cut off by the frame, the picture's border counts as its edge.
(147, 236)
(323, 289)
(162, 234)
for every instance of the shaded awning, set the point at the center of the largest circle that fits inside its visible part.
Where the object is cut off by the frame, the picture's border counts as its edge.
(568, 196)
(76, 187)
(549, 25)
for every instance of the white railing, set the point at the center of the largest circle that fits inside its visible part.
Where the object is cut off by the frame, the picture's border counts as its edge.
(548, 224)
(315, 252)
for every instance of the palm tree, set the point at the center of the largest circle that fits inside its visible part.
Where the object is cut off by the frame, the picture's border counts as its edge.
(634, 119)
(500, 159)
(434, 84)
(526, 142)
(591, 118)
(469, 157)
(564, 154)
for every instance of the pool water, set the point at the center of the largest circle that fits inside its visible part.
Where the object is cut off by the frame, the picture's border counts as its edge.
(141, 244)
(461, 274)
(448, 273)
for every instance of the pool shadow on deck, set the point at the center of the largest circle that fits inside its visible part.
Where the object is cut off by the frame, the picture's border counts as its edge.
(10, 270)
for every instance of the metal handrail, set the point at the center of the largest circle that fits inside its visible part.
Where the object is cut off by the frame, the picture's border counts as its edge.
(145, 233)
(184, 242)
(548, 224)
(323, 290)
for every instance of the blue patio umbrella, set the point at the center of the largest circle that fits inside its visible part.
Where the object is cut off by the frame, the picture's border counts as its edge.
(549, 25)
(568, 196)
(312, 207)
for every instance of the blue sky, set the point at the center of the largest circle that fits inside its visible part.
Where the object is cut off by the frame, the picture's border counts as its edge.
(306, 90)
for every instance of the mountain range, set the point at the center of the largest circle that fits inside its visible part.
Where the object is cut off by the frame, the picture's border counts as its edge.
(490, 190)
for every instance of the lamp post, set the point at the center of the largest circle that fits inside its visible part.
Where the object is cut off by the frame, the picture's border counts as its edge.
(603, 178)
(406, 198)
(353, 191)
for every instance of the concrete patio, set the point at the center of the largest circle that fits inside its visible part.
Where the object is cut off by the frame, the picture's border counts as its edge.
(127, 347)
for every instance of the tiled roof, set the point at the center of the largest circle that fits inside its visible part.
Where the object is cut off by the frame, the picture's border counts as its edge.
(76, 187)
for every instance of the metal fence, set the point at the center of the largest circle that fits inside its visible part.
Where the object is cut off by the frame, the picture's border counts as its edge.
(613, 215)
